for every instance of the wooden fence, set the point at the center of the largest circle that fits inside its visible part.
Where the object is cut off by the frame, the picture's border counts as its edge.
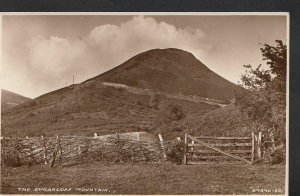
(206, 149)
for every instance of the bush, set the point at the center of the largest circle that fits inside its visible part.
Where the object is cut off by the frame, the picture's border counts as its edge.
(175, 152)
(275, 157)
(175, 112)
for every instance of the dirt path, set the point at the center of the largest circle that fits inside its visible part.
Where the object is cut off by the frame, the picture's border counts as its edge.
(141, 91)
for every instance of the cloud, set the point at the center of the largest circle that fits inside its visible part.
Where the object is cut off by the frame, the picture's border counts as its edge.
(55, 55)
(54, 60)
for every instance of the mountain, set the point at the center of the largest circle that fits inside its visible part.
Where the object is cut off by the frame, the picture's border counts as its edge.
(10, 99)
(170, 70)
(121, 99)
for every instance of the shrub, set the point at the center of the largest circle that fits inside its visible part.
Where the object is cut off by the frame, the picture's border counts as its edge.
(175, 152)
(276, 156)
(175, 112)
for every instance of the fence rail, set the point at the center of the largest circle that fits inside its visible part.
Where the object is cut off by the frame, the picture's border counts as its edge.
(224, 138)
(200, 149)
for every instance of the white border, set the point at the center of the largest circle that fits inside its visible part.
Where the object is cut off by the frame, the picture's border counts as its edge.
(183, 14)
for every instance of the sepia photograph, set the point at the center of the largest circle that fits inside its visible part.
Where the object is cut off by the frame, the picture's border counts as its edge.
(141, 103)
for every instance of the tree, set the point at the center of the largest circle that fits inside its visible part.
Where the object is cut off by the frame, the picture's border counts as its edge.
(264, 99)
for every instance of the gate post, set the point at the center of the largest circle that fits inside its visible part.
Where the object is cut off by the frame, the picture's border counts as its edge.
(184, 150)
(253, 147)
(162, 145)
(259, 145)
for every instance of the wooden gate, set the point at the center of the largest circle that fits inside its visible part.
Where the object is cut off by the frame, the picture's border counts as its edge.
(233, 150)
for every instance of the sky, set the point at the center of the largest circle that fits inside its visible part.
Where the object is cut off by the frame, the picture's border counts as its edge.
(41, 53)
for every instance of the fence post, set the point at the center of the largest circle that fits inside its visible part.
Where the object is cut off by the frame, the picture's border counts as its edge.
(184, 161)
(272, 138)
(44, 149)
(259, 145)
(162, 145)
(253, 147)
(192, 149)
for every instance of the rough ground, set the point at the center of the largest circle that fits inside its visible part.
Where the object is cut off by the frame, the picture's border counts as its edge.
(146, 179)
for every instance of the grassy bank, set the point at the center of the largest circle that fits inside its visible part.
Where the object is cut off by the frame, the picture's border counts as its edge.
(100, 178)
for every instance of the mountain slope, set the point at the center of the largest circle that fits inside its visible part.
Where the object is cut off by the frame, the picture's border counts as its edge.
(170, 70)
(89, 107)
(86, 109)
(10, 99)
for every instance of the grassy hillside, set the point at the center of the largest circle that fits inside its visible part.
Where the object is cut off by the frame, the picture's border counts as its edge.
(10, 99)
(91, 106)
(226, 121)
(85, 109)
(223, 121)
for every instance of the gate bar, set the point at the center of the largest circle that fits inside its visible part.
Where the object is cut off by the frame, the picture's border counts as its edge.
(220, 151)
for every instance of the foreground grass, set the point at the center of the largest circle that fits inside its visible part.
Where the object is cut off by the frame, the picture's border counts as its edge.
(144, 179)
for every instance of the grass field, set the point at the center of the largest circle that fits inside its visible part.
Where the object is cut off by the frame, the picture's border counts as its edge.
(101, 178)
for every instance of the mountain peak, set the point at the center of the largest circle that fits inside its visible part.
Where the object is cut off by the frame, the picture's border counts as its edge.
(166, 53)
(169, 70)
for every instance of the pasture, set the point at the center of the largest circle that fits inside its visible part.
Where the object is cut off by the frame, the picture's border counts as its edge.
(126, 178)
